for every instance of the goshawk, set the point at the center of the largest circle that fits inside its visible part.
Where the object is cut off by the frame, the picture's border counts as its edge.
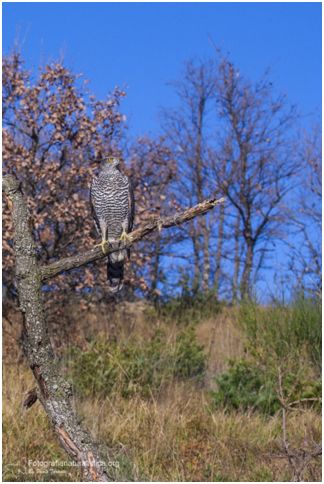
(112, 207)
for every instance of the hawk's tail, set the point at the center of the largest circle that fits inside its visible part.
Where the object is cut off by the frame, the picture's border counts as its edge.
(115, 271)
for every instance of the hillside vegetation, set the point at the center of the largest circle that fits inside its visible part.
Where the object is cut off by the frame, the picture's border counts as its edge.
(187, 390)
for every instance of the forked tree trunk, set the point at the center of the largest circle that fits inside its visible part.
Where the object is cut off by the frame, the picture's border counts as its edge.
(54, 392)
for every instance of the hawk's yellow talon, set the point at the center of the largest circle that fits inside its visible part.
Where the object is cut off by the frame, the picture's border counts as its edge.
(125, 237)
(103, 244)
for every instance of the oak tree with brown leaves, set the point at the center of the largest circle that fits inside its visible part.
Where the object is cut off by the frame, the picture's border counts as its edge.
(54, 131)
(55, 134)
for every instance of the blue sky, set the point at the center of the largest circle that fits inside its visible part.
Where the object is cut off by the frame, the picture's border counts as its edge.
(143, 45)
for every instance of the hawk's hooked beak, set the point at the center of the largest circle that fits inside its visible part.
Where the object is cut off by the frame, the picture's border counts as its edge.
(112, 159)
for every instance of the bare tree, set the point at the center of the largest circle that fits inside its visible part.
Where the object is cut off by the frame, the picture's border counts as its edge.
(253, 164)
(231, 137)
(186, 129)
(306, 256)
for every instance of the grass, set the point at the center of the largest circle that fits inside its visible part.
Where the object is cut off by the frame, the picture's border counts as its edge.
(279, 331)
(28, 441)
(182, 439)
(176, 438)
(178, 433)
(135, 367)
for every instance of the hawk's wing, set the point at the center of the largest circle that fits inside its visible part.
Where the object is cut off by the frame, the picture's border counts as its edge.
(131, 205)
(93, 212)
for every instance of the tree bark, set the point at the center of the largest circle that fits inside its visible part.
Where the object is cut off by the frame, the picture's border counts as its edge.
(237, 258)
(219, 251)
(54, 392)
(196, 262)
(205, 229)
(156, 267)
(246, 276)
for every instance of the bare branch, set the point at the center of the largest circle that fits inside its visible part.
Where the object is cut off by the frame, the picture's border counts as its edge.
(92, 255)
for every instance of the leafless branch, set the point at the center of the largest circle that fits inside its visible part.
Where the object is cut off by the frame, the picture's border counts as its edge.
(92, 255)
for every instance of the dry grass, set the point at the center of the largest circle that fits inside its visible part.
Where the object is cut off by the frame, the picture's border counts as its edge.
(223, 339)
(177, 438)
(27, 435)
(182, 439)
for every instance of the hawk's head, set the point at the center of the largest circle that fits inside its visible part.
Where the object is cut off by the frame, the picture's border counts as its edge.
(113, 161)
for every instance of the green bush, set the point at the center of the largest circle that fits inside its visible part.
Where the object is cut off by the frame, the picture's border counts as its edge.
(285, 339)
(248, 386)
(188, 308)
(135, 367)
(189, 357)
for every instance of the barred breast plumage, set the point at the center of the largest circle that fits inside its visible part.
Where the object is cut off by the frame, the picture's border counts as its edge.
(112, 204)
(110, 201)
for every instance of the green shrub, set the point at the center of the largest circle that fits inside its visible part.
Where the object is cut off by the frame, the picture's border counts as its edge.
(189, 357)
(188, 308)
(278, 338)
(135, 367)
(245, 385)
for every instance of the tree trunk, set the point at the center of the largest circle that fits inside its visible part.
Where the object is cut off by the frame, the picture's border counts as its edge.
(196, 275)
(203, 227)
(246, 276)
(54, 392)
(206, 257)
(156, 267)
(219, 251)
(237, 259)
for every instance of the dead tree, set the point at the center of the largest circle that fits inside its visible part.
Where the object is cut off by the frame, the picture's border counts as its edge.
(53, 391)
